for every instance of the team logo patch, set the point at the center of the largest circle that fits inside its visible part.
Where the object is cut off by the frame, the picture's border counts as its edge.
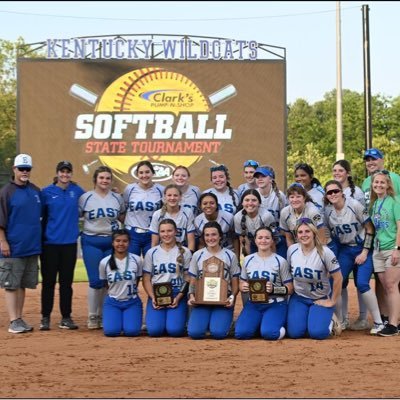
(335, 261)
(316, 218)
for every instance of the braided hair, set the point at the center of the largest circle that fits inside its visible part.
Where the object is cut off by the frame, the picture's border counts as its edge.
(275, 186)
(244, 233)
(119, 232)
(224, 169)
(346, 166)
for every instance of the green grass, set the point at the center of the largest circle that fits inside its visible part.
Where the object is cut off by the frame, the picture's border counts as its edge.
(80, 272)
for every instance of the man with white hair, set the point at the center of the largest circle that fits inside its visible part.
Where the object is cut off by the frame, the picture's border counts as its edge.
(20, 240)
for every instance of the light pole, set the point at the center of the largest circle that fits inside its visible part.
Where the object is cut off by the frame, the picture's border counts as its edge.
(339, 110)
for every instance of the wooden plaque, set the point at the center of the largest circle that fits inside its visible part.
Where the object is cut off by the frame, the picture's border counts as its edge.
(163, 293)
(212, 288)
(258, 291)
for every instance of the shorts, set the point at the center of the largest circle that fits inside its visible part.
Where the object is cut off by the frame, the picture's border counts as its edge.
(16, 273)
(383, 260)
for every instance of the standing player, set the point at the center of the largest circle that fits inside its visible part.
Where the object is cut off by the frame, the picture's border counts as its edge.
(182, 217)
(216, 318)
(312, 304)
(101, 210)
(61, 231)
(167, 262)
(250, 218)
(190, 193)
(272, 199)
(304, 174)
(209, 205)
(341, 172)
(122, 309)
(142, 199)
(228, 199)
(249, 167)
(353, 232)
(270, 317)
(20, 240)
(300, 206)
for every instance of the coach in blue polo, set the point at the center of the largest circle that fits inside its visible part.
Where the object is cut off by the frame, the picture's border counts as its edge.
(20, 240)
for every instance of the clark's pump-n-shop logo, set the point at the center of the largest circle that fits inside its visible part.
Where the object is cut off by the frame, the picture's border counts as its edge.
(151, 114)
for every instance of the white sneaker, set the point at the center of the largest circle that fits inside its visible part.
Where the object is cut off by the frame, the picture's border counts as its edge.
(345, 324)
(359, 325)
(336, 326)
(93, 322)
(376, 328)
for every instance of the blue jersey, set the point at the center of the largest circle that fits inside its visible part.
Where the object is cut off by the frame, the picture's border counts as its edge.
(61, 213)
(20, 217)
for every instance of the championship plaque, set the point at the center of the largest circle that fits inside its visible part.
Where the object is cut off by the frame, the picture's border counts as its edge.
(162, 294)
(212, 288)
(258, 290)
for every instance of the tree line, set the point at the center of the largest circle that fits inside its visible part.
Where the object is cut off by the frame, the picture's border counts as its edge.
(311, 128)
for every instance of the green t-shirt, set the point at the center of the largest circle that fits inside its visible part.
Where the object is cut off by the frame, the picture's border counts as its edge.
(366, 186)
(384, 214)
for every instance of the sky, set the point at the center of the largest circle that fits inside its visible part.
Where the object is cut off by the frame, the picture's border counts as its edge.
(307, 30)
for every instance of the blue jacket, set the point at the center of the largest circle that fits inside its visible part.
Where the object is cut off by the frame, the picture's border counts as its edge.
(20, 217)
(61, 213)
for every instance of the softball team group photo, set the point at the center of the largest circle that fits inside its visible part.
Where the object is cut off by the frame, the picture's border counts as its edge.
(302, 246)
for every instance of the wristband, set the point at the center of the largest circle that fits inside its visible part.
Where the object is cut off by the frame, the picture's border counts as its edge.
(280, 290)
(231, 297)
(184, 288)
(192, 289)
(368, 241)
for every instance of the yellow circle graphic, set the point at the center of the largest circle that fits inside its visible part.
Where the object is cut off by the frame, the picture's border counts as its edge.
(156, 90)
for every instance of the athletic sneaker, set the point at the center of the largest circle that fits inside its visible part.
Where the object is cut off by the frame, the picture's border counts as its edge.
(389, 330)
(345, 324)
(359, 325)
(45, 324)
(67, 323)
(27, 327)
(93, 322)
(336, 326)
(376, 328)
(16, 327)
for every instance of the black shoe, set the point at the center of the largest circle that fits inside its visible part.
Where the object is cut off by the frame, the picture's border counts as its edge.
(67, 323)
(45, 324)
(389, 330)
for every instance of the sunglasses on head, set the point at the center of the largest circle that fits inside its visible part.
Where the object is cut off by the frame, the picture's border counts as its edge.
(24, 169)
(304, 221)
(250, 163)
(333, 191)
(218, 168)
(296, 184)
(381, 171)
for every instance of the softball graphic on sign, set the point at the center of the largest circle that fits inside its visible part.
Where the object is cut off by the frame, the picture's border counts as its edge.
(151, 114)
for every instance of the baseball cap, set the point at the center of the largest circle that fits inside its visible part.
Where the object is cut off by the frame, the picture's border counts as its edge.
(374, 153)
(64, 164)
(264, 171)
(23, 160)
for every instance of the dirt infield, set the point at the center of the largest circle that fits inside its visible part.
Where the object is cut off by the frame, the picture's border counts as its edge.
(85, 364)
